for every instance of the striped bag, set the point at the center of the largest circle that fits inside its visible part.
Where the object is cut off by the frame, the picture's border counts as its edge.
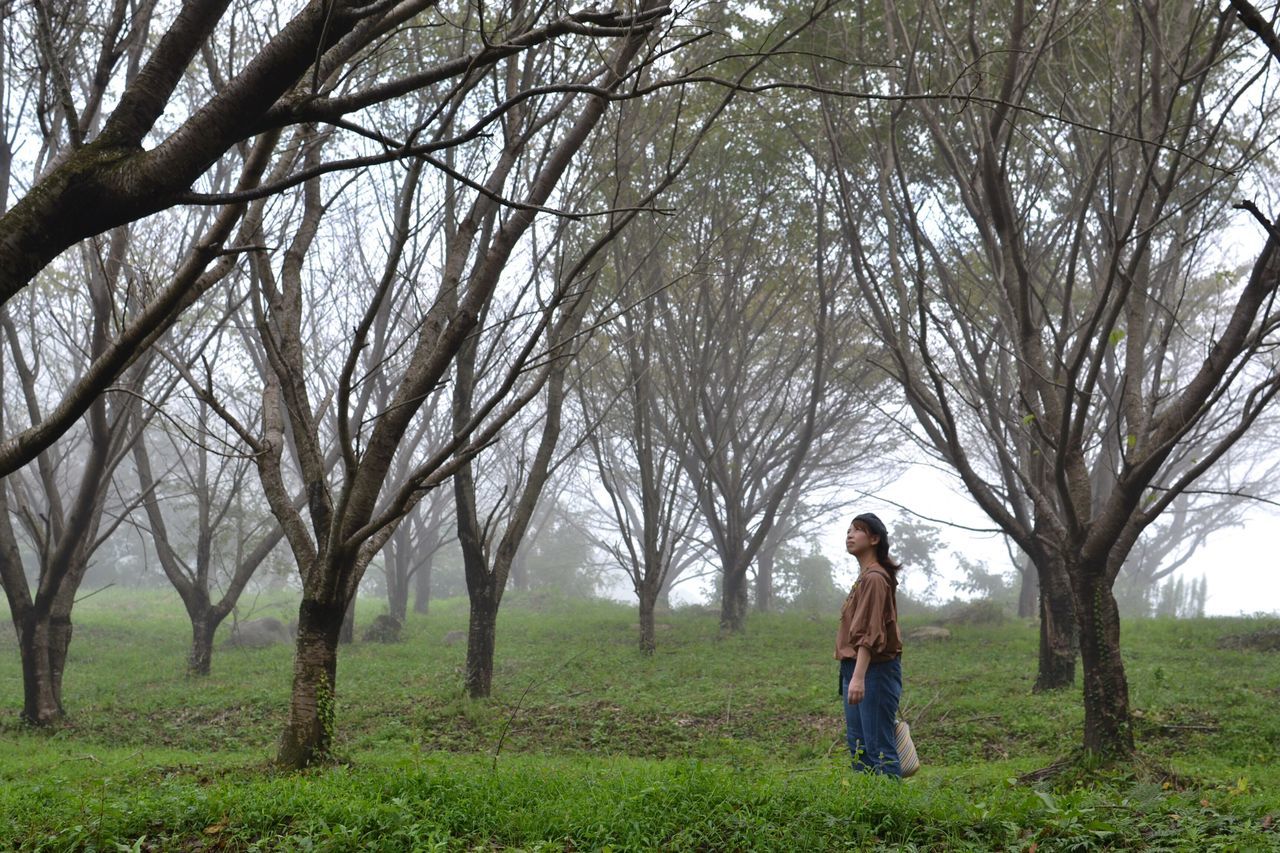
(908, 761)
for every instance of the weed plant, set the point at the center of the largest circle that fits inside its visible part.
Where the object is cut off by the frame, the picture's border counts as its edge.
(712, 743)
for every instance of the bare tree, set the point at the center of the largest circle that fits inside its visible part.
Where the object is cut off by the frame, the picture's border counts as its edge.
(488, 553)
(319, 355)
(760, 354)
(652, 507)
(1029, 272)
(331, 63)
(410, 552)
(65, 505)
(431, 535)
(640, 179)
(199, 516)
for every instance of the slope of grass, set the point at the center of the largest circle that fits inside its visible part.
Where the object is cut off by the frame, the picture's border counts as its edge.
(713, 743)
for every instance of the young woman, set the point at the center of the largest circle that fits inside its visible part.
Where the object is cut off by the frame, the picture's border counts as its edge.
(869, 648)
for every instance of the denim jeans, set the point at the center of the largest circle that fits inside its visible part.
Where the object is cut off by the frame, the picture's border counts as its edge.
(869, 724)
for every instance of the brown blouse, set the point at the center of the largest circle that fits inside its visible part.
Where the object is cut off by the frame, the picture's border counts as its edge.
(869, 618)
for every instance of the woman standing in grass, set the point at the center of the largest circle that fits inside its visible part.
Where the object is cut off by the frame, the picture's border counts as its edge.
(869, 648)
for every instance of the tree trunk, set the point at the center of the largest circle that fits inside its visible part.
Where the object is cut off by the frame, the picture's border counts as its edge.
(44, 635)
(348, 633)
(59, 645)
(203, 627)
(1107, 730)
(481, 641)
(520, 569)
(764, 578)
(733, 600)
(308, 734)
(648, 641)
(422, 588)
(1028, 589)
(397, 570)
(1058, 641)
(398, 598)
(41, 703)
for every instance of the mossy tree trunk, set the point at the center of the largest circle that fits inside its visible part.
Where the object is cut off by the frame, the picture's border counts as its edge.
(309, 732)
(1058, 643)
(1108, 732)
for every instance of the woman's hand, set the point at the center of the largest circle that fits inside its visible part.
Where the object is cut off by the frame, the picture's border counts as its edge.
(857, 690)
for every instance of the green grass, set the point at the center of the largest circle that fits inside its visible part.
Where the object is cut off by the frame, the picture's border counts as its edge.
(713, 743)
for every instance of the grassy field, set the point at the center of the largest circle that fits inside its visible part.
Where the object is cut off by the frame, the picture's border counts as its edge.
(712, 744)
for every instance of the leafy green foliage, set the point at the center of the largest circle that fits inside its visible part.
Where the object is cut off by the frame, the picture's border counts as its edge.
(712, 743)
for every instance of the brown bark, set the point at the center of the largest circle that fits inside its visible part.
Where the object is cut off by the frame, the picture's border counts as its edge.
(733, 598)
(113, 179)
(41, 702)
(309, 732)
(347, 635)
(487, 573)
(201, 657)
(60, 631)
(1107, 728)
(648, 640)
(638, 469)
(746, 460)
(481, 642)
(1057, 661)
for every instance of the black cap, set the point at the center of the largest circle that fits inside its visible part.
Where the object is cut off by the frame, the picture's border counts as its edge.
(874, 525)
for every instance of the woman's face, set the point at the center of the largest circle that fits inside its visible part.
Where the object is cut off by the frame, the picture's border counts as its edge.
(859, 540)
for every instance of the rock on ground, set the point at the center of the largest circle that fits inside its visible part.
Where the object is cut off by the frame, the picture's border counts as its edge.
(928, 633)
(258, 633)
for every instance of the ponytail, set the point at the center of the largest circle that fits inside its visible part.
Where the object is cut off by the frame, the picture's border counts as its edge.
(882, 557)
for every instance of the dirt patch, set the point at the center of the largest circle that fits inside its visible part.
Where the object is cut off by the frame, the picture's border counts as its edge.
(1264, 640)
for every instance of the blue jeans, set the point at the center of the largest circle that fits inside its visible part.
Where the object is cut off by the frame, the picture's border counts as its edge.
(869, 725)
